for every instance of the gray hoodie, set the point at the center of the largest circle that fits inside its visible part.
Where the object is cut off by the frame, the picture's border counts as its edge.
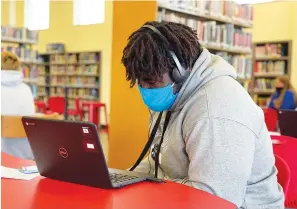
(217, 140)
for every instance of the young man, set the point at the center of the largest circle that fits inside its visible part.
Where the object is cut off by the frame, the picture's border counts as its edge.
(214, 137)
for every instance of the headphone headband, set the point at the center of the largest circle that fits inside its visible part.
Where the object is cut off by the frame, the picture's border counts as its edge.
(179, 74)
(174, 57)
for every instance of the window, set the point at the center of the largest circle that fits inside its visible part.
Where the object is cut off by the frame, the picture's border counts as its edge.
(87, 12)
(37, 14)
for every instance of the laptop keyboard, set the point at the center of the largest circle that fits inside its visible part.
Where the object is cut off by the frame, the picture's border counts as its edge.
(119, 178)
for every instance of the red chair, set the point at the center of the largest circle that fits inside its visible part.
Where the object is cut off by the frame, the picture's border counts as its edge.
(56, 104)
(287, 150)
(77, 111)
(40, 106)
(283, 175)
(270, 116)
(94, 112)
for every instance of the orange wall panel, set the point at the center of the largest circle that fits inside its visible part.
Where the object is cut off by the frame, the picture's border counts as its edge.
(129, 117)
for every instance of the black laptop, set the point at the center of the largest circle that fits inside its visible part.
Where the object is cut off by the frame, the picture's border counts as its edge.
(71, 151)
(287, 120)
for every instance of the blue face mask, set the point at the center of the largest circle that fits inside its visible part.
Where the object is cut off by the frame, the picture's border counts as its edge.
(158, 99)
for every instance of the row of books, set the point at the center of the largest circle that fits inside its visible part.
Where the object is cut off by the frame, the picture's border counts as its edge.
(227, 9)
(271, 50)
(75, 70)
(73, 81)
(21, 34)
(242, 64)
(225, 35)
(264, 84)
(24, 52)
(74, 93)
(277, 67)
(214, 34)
(29, 73)
(87, 57)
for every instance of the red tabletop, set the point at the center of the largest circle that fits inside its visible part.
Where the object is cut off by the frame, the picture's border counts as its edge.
(44, 193)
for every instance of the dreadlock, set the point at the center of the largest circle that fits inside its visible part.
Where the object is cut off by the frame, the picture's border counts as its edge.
(146, 54)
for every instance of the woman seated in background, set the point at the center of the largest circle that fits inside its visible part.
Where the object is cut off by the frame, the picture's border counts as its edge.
(285, 97)
(16, 100)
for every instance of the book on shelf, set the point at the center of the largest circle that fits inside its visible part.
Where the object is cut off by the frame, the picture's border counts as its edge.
(88, 57)
(271, 50)
(71, 70)
(210, 33)
(265, 85)
(18, 34)
(76, 81)
(75, 58)
(58, 59)
(242, 64)
(270, 67)
(228, 10)
(88, 94)
(24, 52)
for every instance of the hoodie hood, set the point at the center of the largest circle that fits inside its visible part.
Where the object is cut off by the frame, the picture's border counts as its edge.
(11, 77)
(206, 68)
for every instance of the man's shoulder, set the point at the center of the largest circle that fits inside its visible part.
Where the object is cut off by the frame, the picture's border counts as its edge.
(225, 98)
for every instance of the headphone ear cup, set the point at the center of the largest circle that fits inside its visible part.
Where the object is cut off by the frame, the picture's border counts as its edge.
(179, 76)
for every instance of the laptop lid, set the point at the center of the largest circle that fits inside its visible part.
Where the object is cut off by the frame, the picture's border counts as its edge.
(288, 122)
(67, 151)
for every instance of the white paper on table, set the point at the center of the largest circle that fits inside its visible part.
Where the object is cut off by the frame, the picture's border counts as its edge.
(12, 173)
(272, 133)
(274, 141)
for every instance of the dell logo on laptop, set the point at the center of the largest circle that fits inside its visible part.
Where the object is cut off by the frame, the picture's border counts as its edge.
(63, 152)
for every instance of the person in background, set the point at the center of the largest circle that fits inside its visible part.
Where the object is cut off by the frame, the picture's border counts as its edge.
(16, 100)
(213, 136)
(285, 97)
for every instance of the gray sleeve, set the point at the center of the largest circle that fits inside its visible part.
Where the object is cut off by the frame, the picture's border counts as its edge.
(221, 157)
(145, 166)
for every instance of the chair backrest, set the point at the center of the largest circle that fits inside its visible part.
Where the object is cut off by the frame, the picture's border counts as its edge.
(283, 175)
(57, 104)
(287, 120)
(270, 116)
(77, 104)
(12, 127)
(287, 150)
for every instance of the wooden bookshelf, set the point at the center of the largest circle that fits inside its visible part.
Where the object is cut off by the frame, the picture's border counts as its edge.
(222, 19)
(228, 50)
(17, 41)
(270, 59)
(79, 72)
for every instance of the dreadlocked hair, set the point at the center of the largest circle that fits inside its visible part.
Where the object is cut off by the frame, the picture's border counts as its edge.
(146, 54)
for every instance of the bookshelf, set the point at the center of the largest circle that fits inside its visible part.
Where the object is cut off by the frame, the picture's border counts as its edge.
(220, 28)
(78, 71)
(20, 41)
(270, 59)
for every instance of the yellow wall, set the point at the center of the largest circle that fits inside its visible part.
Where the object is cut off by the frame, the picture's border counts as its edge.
(277, 21)
(19, 13)
(129, 116)
(76, 38)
